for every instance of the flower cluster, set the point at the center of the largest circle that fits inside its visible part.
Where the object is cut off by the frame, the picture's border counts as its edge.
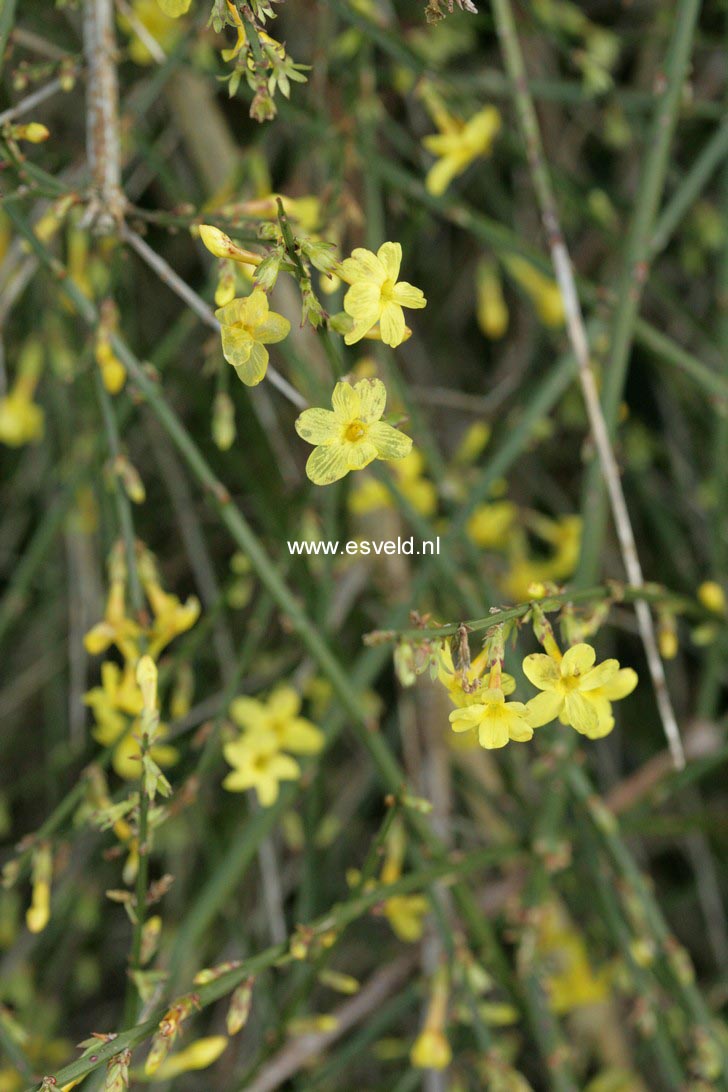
(573, 689)
(270, 728)
(118, 703)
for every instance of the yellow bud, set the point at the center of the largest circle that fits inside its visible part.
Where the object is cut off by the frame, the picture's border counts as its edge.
(39, 912)
(491, 311)
(222, 246)
(198, 1055)
(146, 677)
(33, 132)
(342, 983)
(431, 1050)
(239, 1010)
(712, 596)
(317, 1024)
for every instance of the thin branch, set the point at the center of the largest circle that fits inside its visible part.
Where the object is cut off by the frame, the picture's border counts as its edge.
(102, 116)
(35, 98)
(578, 337)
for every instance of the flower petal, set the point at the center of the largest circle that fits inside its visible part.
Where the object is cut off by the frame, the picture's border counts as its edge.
(302, 737)
(284, 702)
(599, 675)
(581, 713)
(247, 712)
(274, 329)
(389, 442)
(318, 426)
(360, 454)
(346, 402)
(252, 371)
(406, 295)
(255, 308)
(391, 325)
(327, 464)
(544, 708)
(622, 684)
(372, 399)
(578, 660)
(542, 671)
(493, 732)
(390, 255)
(462, 720)
(237, 345)
(363, 265)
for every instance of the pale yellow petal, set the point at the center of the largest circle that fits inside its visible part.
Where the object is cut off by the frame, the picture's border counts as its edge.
(391, 325)
(388, 441)
(247, 712)
(346, 402)
(327, 464)
(390, 255)
(237, 345)
(360, 454)
(318, 426)
(622, 684)
(407, 295)
(252, 371)
(541, 670)
(273, 329)
(599, 675)
(372, 399)
(578, 660)
(581, 713)
(544, 708)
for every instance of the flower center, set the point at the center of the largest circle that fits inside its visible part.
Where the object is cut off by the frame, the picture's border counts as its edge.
(387, 290)
(354, 431)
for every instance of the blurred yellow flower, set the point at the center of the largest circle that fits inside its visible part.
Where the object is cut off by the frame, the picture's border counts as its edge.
(491, 310)
(489, 524)
(370, 494)
(248, 325)
(543, 291)
(174, 8)
(21, 419)
(158, 25)
(458, 144)
(351, 435)
(198, 1055)
(712, 596)
(258, 764)
(279, 717)
(376, 296)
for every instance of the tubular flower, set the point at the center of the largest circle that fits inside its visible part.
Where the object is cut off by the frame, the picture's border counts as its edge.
(350, 436)
(576, 691)
(247, 327)
(376, 296)
(458, 144)
(465, 686)
(21, 419)
(498, 721)
(279, 717)
(258, 764)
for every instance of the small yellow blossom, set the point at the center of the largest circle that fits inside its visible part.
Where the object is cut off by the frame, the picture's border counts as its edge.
(465, 685)
(458, 144)
(576, 691)
(491, 310)
(39, 912)
(431, 1049)
(258, 764)
(371, 494)
(174, 8)
(198, 1055)
(351, 435)
(33, 132)
(279, 717)
(543, 291)
(570, 981)
(248, 325)
(405, 913)
(222, 246)
(496, 719)
(489, 524)
(712, 597)
(158, 25)
(376, 296)
(21, 419)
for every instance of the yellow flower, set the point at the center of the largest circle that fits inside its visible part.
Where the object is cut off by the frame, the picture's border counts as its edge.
(34, 132)
(489, 524)
(712, 596)
(350, 436)
(258, 764)
(465, 686)
(376, 296)
(279, 717)
(247, 327)
(198, 1055)
(174, 8)
(457, 144)
(21, 420)
(158, 25)
(372, 494)
(496, 719)
(39, 912)
(431, 1050)
(575, 690)
(570, 981)
(405, 913)
(491, 311)
(222, 246)
(544, 292)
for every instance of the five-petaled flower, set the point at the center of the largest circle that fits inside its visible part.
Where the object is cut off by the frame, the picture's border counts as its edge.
(457, 144)
(279, 717)
(351, 435)
(496, 719)
(258, 764)
(247, 327)
(376, 296)
(576, 691)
